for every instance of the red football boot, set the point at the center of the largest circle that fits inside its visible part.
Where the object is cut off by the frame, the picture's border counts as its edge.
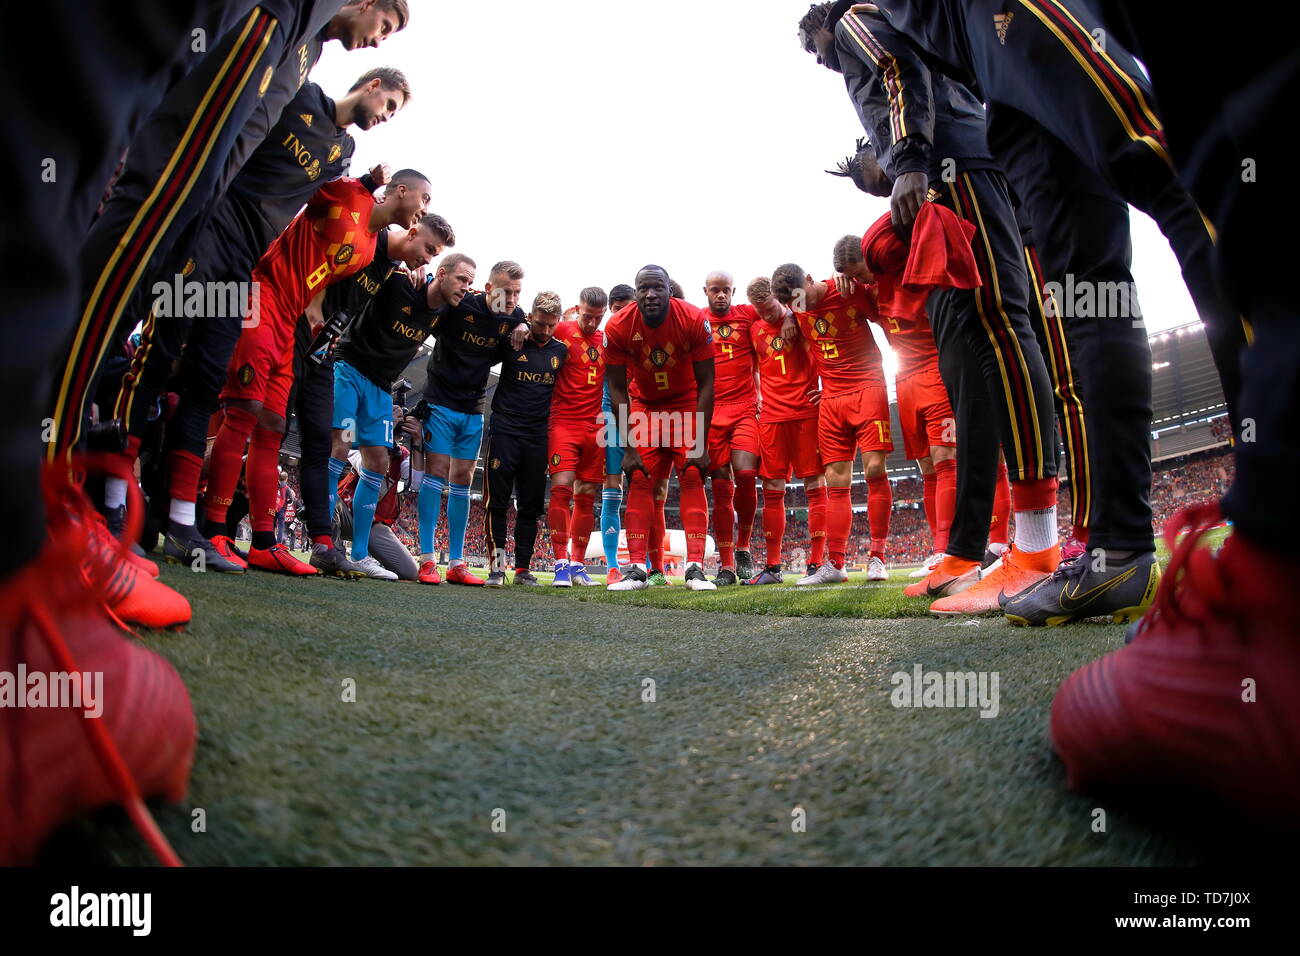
(130, 594)
(138, 740)
(100, 529)
(279, 559)
(460, 574)
(1207, 695)
(226, 548)
(429, 573)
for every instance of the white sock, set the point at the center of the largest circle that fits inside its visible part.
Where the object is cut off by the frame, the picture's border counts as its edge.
(998, 549)
(454, 563)
(114, 492)
(182, 512)
(426, 558)
(1035, 530)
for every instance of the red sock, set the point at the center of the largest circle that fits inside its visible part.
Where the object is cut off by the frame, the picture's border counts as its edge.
(880, 502)
(746, 507)
(695, 514)
(658, 528)
(580, 525)
(323, 539)
(930, 482)
(945, 501)
(1033, 495)
(183, 471)
(999, 530)
(262, 477)
(839, 519)
(557, 518)
(816, 524)
(774, 526)
(724, 521)
(638, 517)
(226, 462)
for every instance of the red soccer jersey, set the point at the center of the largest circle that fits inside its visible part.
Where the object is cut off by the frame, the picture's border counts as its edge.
(840, 334)
(734, 361)
(912, 341)
(786, 374)
(301, 261)
(660, 362)
(581, 384)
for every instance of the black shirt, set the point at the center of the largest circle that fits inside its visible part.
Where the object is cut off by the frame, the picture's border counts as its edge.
(521, 405)
(468, 345)
(388, 333)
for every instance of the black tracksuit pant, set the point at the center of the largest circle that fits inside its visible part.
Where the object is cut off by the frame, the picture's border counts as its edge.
(1230, 140)
(175, 165)
(990, 361)
(1081, 231)
(116, 62)
(514, 464)
(313, 402)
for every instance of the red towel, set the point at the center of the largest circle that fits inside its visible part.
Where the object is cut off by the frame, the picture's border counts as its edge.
(939, 257)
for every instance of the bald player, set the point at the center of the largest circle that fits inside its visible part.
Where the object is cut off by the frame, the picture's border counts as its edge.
(733, 439)
(664, 345)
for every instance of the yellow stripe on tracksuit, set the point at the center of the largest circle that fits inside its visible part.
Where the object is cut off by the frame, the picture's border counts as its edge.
(146, 209)
(986, 320)
(1091, 71)
(1067, 390)
(888, 66)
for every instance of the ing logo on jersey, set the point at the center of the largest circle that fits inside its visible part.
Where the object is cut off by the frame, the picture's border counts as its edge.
(335, 152)
(344, 255)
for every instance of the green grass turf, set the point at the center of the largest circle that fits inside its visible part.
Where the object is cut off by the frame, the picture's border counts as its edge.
(470, 700)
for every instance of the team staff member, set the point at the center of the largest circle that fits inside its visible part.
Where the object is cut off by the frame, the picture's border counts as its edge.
(515, 456)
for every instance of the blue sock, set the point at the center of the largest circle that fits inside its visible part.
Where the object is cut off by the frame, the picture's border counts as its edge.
(364, 500)
(610, 524)
(457, 520)
(337, 470)
(430, 510)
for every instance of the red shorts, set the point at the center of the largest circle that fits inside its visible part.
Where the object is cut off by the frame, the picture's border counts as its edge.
(734, 428)
(924, 413)
(572, 447)
(664, 437)
(261, 370)
(853, 422)
(789, 448)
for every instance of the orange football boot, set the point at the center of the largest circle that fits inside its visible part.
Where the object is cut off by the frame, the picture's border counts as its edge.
(1019, 570)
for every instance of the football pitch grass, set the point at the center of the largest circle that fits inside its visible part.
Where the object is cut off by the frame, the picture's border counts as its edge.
(515, 726)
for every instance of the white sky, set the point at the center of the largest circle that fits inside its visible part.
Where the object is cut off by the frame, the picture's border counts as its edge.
(586, 138)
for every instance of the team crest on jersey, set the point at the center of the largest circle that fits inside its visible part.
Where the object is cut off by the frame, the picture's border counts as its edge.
(496, 463)
(555, 459)
(778, 343)
(335, 152)
(555, 362)
(592, 354)
(659, 357)
(344, 255)
(245, 375)
(1002, 23)
(266, 81)
(189, 268)
(822, 326)
(503, 330)
(724, 330)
